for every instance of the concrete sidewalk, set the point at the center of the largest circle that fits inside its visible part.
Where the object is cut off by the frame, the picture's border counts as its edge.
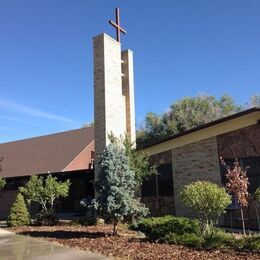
(13, 247)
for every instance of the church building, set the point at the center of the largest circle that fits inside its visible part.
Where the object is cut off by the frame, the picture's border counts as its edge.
(71, 154)
(181, 159)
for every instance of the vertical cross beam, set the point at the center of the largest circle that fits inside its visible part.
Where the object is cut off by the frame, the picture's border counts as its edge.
(116, 24)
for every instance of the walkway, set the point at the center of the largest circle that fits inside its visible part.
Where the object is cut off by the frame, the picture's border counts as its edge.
(13, 247)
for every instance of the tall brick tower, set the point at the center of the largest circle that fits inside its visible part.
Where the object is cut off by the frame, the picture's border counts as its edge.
(113, 91)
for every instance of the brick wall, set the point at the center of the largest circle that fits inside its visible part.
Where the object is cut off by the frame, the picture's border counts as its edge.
(193, 162)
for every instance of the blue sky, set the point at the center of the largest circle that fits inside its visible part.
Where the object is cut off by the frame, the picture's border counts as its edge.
(181, 48)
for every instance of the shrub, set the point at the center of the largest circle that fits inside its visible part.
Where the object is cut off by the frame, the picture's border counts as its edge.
(207, 200)
(19, 215)
(158, 228)
(186, 239)
(219, 239)
(184, 231)
(249, 243)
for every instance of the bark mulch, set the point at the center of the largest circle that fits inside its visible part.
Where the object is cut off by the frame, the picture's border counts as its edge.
(128, 245)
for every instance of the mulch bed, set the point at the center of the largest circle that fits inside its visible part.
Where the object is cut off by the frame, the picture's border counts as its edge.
(128, 245)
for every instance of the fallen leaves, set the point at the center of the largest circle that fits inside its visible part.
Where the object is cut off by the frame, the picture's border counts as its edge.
(128, 245)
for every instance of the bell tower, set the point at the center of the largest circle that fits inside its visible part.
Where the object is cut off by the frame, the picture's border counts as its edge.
(114, 110)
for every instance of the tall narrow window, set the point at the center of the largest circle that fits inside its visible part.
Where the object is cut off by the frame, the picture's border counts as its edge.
(161, 184)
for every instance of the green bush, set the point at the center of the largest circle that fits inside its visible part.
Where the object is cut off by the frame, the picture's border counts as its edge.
(184, 231)
(208, 202)
(219, 239)
(186, 239)
(158, 228)
(249, 243)
(19, 215)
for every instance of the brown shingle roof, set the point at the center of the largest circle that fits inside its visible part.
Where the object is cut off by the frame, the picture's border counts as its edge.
(50, 153)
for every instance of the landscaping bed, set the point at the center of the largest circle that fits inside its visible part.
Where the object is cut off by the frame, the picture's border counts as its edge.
(128, 245)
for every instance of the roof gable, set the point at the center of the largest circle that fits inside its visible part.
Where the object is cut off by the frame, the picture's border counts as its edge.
(44, 154)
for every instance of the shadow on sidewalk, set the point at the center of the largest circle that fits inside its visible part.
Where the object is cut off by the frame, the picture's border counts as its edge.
(61, 234)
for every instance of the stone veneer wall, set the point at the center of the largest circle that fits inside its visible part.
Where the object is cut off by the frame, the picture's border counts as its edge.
(113, 91)
(128, 91)
(159, 206)
(241, 143)
(193, 162)
(109, 103)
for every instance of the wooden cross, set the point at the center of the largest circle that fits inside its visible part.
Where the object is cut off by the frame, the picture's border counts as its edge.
(117, 25)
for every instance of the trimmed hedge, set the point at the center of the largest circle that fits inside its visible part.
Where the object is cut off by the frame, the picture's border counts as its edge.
(158, 228)
(184, 231)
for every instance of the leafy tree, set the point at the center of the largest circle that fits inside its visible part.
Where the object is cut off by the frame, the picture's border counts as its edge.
(116, 187)
(45, 192)
(2, 183)
(19, 215)
(207, 200)
(237, 185)
(254, 101)
(2, 180)
(138, 162)
(185, 114)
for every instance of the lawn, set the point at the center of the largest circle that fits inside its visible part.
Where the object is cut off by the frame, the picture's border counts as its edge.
(128, 245)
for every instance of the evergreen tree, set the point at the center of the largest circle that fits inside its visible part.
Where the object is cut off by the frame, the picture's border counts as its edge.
(19, 215)
(116, 188)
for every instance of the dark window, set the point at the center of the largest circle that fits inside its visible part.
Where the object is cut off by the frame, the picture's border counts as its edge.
(149, 187)
(159, 185)
(253, 171)
(13, 185)
(165, 182)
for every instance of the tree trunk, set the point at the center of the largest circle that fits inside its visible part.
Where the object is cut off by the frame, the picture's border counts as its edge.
(115, 228)
(243, 221)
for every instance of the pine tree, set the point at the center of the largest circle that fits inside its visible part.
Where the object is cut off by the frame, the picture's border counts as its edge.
(116, 188)
(19, 215)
